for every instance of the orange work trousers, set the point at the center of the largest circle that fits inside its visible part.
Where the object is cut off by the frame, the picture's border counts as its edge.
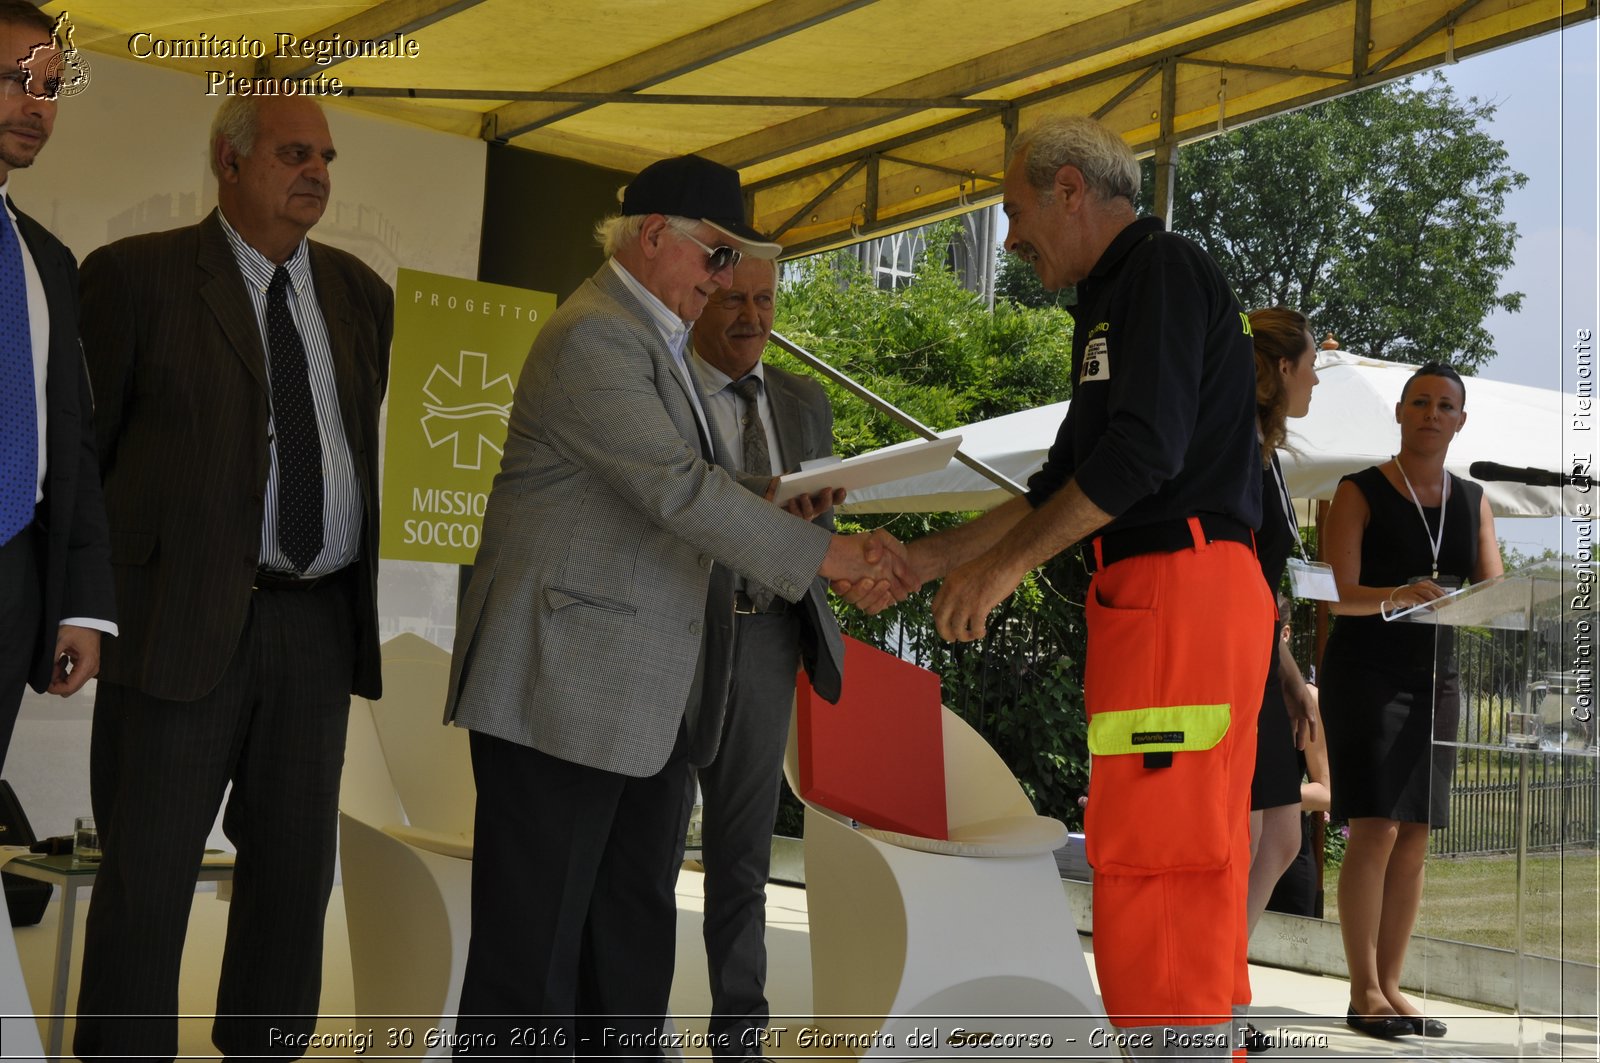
(1170, 845)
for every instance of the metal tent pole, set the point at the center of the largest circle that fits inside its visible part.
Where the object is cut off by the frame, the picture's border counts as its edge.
(877, 402)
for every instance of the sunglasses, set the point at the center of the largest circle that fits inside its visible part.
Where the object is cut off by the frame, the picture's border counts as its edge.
(717, 258)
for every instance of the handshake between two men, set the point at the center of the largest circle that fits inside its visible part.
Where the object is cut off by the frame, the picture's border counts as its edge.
(980, 562)
(870, 570)
(871, 565)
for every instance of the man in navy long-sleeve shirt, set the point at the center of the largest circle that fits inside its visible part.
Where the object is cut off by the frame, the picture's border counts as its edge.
(1156, 470)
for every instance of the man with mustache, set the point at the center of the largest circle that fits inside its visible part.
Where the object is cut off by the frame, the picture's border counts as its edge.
(238, 369)
(764, 422)
(55, 572)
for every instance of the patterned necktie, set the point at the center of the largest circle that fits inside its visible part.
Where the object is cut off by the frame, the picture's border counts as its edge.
(19, 412)
(294, 418)
(757, 458)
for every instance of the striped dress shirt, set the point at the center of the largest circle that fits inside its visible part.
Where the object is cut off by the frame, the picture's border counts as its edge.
(341, 494)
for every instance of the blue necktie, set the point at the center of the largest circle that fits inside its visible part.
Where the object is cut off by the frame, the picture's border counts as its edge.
(19, 413)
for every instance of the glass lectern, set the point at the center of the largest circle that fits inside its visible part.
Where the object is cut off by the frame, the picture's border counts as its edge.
(1509, 906)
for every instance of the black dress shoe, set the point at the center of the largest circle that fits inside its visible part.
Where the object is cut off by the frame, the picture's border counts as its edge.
(1427, 1027)
(1254, 1039)
(1386, 1027)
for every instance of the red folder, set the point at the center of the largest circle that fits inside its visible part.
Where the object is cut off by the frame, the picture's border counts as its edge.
(878, 755)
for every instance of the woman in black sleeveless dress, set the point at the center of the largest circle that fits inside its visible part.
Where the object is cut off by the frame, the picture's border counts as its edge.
(1398, 534)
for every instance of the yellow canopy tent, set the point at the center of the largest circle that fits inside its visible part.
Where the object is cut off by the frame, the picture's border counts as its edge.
(846, 118)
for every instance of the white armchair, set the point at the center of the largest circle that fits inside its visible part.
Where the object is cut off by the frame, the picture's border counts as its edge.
(405, 846)
(970, 932)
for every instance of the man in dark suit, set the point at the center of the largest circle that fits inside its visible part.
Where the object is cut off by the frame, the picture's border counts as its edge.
(55, 576)
(239, 369)
(764, 422)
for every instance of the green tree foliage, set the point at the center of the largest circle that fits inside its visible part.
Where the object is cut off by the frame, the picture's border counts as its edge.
(1378, 214)
(931, 348)
(936, 351)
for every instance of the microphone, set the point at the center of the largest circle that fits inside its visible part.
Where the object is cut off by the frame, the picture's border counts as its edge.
(1493, 470)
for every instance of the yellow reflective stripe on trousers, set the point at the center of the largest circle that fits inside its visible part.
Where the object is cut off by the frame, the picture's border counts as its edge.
(1159, 729)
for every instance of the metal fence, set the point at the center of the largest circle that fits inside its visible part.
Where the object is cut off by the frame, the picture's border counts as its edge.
(1561, 781)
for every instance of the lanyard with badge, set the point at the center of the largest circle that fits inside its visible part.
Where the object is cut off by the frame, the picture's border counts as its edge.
(1435, 540)
(1307, 578)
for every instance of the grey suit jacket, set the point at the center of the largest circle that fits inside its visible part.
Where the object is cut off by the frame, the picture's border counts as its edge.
(75, 566)
(181, 411)
(582, 627)
(804, 423)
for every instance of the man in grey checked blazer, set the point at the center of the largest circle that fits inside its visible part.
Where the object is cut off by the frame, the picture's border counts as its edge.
(763, 421)
(580, 640)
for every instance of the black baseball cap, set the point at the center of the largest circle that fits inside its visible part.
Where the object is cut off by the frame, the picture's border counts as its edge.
(689, 186)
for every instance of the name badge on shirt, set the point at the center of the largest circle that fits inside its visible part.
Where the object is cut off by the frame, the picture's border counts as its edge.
(1096, 361)
(1313, 580)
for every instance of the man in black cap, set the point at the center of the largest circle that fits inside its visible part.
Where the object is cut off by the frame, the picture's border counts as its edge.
(582, 635)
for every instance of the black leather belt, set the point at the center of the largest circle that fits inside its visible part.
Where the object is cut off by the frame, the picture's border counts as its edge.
(283, 581)
(1165, 537)
(743, 605)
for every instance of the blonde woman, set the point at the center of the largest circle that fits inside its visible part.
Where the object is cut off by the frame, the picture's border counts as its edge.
(1285, 376)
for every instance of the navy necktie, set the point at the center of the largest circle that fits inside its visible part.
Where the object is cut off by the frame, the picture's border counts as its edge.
(19, 411)
(294, 419)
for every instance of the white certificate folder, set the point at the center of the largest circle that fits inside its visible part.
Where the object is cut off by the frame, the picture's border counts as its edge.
(870, 469)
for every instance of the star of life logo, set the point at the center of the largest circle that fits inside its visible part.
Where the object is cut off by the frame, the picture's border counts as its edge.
(467, 410)
(56, 69)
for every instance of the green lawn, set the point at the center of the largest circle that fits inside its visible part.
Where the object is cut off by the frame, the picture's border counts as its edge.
(1473, 899)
